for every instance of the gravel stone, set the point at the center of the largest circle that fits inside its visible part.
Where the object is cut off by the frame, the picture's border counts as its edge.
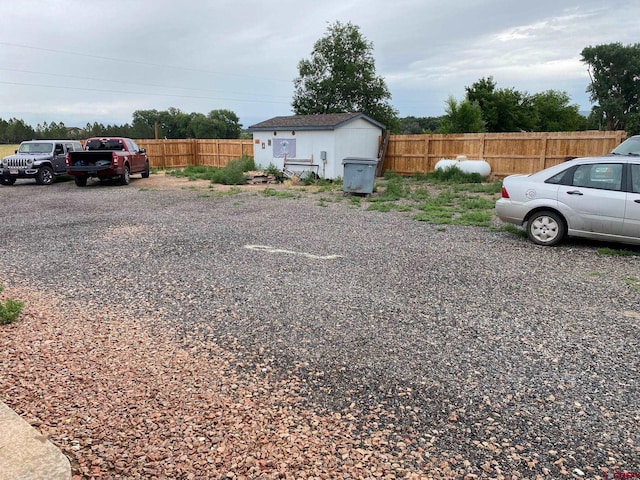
(175, 331)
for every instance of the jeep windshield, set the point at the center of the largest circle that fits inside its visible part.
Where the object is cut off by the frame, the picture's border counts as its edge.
(36, 147)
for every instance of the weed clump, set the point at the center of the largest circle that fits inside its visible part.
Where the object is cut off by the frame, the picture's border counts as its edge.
(231, 174)
(9, 310)
(453, 175)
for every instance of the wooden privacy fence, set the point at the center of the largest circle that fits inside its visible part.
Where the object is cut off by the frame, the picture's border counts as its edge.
(182, 153)
(507, 153)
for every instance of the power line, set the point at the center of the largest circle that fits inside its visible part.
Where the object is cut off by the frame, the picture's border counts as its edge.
(139, 62)
(128, 83)
(137, 93)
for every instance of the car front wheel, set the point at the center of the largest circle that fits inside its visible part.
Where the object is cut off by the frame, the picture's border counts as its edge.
(546, 228)
(45, 176)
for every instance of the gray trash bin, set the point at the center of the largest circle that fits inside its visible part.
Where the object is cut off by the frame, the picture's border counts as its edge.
(359, 175)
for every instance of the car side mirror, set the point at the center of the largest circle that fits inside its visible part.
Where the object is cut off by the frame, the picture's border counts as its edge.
(143, 150)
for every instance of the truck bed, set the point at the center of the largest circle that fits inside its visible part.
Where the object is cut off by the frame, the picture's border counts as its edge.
(90, 161)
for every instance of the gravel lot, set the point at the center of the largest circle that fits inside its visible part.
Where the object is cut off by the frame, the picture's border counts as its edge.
(170, 332)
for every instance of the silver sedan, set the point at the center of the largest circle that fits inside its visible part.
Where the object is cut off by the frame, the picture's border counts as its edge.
(596, 198)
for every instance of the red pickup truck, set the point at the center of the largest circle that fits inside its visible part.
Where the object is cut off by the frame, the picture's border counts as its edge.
(108, 158)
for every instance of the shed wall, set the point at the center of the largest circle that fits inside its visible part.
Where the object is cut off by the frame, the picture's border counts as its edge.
(355, 139)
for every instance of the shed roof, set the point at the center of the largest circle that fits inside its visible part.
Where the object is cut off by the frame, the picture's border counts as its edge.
(328, 121)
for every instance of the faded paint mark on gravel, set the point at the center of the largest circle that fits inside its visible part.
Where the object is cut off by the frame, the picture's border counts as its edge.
(266, 248)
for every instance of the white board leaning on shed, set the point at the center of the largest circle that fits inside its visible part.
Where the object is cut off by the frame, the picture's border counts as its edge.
(315, 143)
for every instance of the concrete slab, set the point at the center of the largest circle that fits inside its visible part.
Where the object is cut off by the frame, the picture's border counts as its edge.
(27, 455)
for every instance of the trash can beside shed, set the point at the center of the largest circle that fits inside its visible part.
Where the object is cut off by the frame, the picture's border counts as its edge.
(359, 175)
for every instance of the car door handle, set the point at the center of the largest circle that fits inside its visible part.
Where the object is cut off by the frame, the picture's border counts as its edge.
(637, 201)
(575, 192)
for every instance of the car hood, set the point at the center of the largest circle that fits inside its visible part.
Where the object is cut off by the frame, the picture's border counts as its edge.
(33, 156)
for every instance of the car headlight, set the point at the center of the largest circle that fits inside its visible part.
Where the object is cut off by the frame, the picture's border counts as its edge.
(29, 161)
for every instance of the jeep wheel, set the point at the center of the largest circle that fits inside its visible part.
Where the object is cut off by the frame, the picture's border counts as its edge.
(80, 181)
(45, 176)
(7, 180)
(125, 178)
(145, 173)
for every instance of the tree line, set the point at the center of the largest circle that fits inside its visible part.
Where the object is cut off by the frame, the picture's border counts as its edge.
(171, 123)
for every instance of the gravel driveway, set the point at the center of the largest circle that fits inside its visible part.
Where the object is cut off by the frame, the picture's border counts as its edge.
(176, 333)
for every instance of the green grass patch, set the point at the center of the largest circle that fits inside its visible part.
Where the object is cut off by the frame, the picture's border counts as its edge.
(618, 252)
(452, 175)
(633, 282)
(511, 228)
(272, 192)
(9, 309)
(231, 174)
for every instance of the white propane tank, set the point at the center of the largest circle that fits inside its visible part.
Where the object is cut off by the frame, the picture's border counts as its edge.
(445, 164)
(481, 167)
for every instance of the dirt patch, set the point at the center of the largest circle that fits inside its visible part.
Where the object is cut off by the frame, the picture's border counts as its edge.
(162, 181)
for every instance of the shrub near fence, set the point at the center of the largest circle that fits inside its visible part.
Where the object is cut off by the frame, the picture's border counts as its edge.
(507, 153)
(182, 153)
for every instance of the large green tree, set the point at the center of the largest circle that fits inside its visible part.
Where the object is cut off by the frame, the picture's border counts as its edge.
(554, 114)
(509, 110)
(463, 117)
(615, 85)
(341, 77)
(503, 109)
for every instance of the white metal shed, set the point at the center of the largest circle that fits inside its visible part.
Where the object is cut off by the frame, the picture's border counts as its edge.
(317, 143)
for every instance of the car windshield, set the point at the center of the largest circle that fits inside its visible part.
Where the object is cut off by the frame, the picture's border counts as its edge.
(40, 147)
(631, 146)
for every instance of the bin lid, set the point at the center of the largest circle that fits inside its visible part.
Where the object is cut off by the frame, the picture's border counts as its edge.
(360, 160)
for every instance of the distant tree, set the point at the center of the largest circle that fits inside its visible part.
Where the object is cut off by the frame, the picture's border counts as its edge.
(95, 130)
(615, 85)
(202, 127)
(173, 123)
(52, 130)
(177, 123)
(144, 124)
(226, 124)
(341, 77)
(417, 125)
(15, 131)
(463, 117)
(554, 114)
(503, 110)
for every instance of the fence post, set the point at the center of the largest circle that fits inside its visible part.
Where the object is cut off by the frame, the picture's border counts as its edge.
(543, 152)
(427, 166)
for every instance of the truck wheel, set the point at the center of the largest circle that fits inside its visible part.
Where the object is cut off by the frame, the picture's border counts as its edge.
(125, 178)
(7, 180)
(80, 181)
(145, 173)
(45, 176)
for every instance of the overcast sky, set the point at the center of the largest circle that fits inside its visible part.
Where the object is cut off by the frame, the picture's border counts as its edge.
(85, 61)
